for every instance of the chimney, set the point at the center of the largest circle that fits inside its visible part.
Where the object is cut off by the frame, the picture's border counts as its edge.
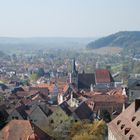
(91, 87)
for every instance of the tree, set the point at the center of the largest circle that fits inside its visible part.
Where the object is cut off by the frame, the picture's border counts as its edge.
(89, 131)
(34, 76)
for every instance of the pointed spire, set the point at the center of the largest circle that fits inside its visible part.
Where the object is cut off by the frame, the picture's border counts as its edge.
(91, 87)
(73, 66)
(123, 109)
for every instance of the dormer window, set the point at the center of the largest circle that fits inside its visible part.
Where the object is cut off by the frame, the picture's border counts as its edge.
(122, 126)
(133, 119)
(138, 123)
(118, 122)
(131, 137)
(126, 130)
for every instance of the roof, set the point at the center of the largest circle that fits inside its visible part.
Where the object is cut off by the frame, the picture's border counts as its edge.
(66, 108)
(22, 130)
(108, 98)
(103, 76)
(83, 111)
(26, 93)
(128, 121)
(45, 109)
(114, 91)
(85, 80)
(21, 111)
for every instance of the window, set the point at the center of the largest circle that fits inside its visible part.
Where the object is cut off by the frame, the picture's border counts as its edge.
(122, 126)
(118, 122)
(131, 137)
(16, 118)
(51, 121)
(126, 130)
(138, 123)
(133, 118)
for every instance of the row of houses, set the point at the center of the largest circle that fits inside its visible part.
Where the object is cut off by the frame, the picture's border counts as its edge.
(52, 107)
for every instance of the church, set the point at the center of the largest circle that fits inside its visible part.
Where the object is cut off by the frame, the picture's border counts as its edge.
(100, 80)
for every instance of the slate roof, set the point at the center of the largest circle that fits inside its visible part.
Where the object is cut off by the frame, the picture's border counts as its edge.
(66, 108)
(103, 76)
(21, 110)
(45, 109)
(85, 80)
(42, 106)
(83, 111)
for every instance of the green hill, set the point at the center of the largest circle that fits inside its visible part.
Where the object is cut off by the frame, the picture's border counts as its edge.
(125, 40)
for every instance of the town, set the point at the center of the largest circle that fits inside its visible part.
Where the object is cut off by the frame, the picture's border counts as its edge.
(47, 97)
(69, 70)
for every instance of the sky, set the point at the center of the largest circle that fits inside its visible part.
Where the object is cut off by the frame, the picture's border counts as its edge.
(67, 18)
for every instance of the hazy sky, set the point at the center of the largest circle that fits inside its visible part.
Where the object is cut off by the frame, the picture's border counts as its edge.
(67, 18)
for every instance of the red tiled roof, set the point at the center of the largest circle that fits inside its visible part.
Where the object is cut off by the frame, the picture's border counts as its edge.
(115, 91)
(22, 129)
(108, 98)
(103, 76)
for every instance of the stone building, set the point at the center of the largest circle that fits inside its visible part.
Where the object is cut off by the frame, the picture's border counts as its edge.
(127, 125)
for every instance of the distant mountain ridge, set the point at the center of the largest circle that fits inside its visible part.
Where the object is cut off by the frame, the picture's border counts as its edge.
(8, 43)
(123, 39)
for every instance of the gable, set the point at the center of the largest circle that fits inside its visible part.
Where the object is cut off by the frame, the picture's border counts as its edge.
(15, 115)
(37, 115)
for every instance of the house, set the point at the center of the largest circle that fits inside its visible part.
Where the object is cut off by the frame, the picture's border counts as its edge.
(127, 125)
(133, 89)
(59, 116)
(83, 112)
(81, 80)
(18, 113)
(23, 130)
(113, 104)
(101, 79)
(38, 114)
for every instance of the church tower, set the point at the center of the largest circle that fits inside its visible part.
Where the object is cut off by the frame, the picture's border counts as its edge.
(74, 74)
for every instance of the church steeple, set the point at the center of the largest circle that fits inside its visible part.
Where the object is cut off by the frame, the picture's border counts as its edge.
(73, 66)
(74, 74)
